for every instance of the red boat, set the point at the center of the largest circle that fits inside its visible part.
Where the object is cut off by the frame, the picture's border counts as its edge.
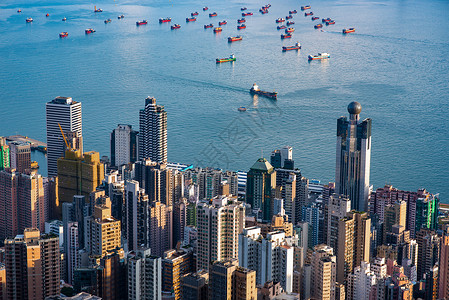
(63, 34)
(214, 14)
(208, 26)
(286, 36)
(306, 7)
(235, 38)
(293, 11)
(290, 23)
(290, 29)
(325, 20)
(263, 11)
(47, 15)
(222, 23)
(315, 18)
(242, 20)
(318, 26)
(308, 14)
(281, 27)
(166, 20)
(19, 11)
(331, 22)
(247, 14)
(89, 30)
(348, 30)
(205, 8)
(176, 26)
(194, 14)
(280, 20)
(243, 26)
(297, 46)
(218, 29)
(193, 19)
(288, 17)
(143, 22)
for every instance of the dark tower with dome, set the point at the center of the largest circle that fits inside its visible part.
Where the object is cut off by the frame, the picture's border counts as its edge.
(352, 170)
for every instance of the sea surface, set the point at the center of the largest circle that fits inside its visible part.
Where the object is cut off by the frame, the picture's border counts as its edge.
(396, 65)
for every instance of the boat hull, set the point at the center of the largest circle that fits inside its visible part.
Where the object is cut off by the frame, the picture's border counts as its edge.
(223, 60)
(270, 95)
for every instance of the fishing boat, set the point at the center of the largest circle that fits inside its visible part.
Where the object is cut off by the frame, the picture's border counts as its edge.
(19, 11)
(176, 26)
(331, 22)
(288, 17)
(241, 26)
(89, 30)
(290, 23)
(143, 22)
(227, 59)
(247, 14)
(64, 19)
(308, 14)
(222, 23)
(345, 31)
(241, 108)
(214, 14)
(256, 91)
(267, 6)
(47, 15)
(107, 21)
(205, 8)
(243, 8)
(120, 17)
(29, 20)
(235, 38)
(208, 26)
(282, 27)
(286, 36)
(325, 20)
(192, 19)
(280, 20)
(63, 34)
(318, 26)
(315, 18)
(218, 29)
(263, 11)
(194, 14)
(97, 9)
(290, 29)
(291, 12)
(166, 20)
(305, 7)
(242, 20)
(297, 46)
(319, 56)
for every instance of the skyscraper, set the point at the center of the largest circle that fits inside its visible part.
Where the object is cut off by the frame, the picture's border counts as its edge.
(136, 210)
(67, 113)
(443, 267)
(4, 154)
(144, 275)
(153, 131)
(123, 145)
(20, 156)
(352, 169)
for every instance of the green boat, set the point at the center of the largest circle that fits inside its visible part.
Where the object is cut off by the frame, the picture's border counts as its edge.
(222, 60)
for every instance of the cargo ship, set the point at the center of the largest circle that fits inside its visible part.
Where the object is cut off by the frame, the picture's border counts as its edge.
(348, 30)
(208, 26)
(218, 29)
(288, 17)
(97, 9)
(222, 23)
(166, 20)
(205, 8)
(194, 14)
(107, 21)
(242, 26)
(29, 20)
(290, 23)
(282, 27)
(290, 29)
(331, 22)
(319, 56)
(242, 20)
(214, 14)
(143, 22)
(297, 46)
(64, 19)
(280, 20)
(308, 14)
(89, 30)
(247, 14)
(63, 34)
(256, 91)
(293, 12)
(235, 38)
(120, 17)
(315, 18)
(192, 19)
(176, 26)
(243, 8)
(228, 59)
(286, 36)
(306, 7)
(318, 26)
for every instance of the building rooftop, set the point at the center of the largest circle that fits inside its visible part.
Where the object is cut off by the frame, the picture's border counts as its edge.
(262, 165)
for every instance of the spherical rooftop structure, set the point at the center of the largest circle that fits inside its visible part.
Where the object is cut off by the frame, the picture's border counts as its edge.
(354, 108)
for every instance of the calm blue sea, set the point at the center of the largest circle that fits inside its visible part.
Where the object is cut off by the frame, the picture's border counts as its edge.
(395, 64)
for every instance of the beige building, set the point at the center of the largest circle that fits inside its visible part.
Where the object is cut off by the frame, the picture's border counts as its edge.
(323, 273)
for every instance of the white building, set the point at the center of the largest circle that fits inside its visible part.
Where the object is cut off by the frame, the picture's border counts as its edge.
(55, 227)
(361, 284)
(144, 275)
(123, 145)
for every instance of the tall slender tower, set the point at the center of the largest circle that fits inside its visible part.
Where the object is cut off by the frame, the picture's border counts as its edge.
(153, 131)
(353, 157)
(67, 113)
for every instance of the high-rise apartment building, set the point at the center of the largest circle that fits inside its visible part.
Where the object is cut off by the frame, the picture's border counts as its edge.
(136, 209)
(179, 220)
(323, 277)
(144, 275)
(337, 208)
(156, 179)
(195, 286)
(176, 264)
(153, 131)
(20, 154)
(428, 250)
(311, 215)
(123, 145)
(352, 171)
(261, 180)
(279, 157)
(4, 154)
(219, 222)
(160, 220)
(361, 284)
(443, 267)
(71, 254)
(67, 113)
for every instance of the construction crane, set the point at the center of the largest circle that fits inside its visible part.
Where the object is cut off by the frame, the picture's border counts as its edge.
(63, 136)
